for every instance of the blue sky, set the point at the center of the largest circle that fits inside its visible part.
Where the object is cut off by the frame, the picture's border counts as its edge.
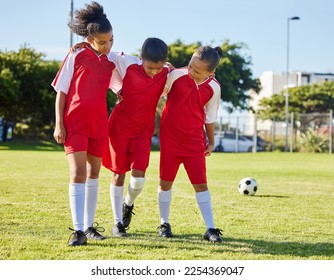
(260, 24)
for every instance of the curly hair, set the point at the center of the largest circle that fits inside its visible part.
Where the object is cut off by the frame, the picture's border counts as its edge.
(90, 21)
(210, 55)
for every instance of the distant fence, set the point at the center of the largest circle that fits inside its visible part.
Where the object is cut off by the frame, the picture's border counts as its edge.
(306, 132)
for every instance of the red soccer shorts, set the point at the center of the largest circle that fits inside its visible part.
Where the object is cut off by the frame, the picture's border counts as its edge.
(195, 167)
(125, 154)
(79, 143)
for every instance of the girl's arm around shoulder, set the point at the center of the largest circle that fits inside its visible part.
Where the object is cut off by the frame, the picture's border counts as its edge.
(172, 76)
(123, 61)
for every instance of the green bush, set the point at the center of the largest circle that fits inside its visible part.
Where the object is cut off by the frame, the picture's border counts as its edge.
(314, 142)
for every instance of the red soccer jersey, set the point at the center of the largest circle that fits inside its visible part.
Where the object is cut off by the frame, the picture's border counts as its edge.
(85, 77)
(134, 116)
(189, 106)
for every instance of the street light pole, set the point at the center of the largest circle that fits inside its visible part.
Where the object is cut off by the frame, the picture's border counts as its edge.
(287, 84)
(70, 16)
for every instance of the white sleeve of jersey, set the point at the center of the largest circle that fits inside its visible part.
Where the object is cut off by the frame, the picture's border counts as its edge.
(172, 77)
(211, 108)
(123, 61)
(64, 76)
(116, 81)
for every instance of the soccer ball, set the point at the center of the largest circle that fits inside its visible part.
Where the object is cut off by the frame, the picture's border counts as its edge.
(248, 186)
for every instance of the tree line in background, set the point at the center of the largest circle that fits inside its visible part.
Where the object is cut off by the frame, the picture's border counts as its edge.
(315, 98)
(27, 98)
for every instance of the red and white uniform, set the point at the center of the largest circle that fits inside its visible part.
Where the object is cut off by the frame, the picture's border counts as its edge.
(131, 123)
(189, 106)
(85, 78)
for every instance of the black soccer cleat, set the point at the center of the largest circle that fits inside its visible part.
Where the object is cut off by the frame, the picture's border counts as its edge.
(93, 232)
(118, 230)
(77, 238)
(127, 214)
(165, 230)
(213, 235)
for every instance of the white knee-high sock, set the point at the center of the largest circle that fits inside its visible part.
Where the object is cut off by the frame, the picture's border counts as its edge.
(116, 198)
(77, 204)
(204, 203)
(164, 198)
(135, 187)
(92, 186)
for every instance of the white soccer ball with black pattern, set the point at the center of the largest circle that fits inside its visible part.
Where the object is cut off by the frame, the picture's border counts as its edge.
(248, 186)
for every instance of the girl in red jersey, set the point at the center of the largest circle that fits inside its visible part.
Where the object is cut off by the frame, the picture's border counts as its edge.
(131, 126)
(82, 117)
(192, 104)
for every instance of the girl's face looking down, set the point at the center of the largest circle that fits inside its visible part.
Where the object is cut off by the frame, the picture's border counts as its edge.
(102, 42)
(153, 68)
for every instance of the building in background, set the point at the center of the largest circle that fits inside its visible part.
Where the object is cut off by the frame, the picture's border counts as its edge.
(274, 83)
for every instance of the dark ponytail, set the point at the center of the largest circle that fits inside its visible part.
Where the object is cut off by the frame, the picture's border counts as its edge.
(210, 55)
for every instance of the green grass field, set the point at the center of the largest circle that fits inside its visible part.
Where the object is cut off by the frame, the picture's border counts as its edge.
(290, 218)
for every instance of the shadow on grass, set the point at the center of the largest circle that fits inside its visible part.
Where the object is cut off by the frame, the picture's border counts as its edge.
(297, 249)
(275, 196)
(194, 242)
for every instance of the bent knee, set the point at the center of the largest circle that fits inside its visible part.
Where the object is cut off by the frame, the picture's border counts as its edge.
(137, 183)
